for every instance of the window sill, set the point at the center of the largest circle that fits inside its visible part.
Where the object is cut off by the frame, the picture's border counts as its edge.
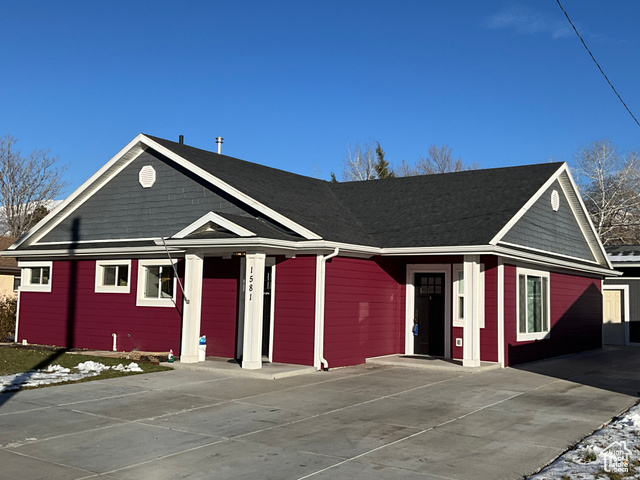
(113, 289)
(528, 337)
(35, 288)
(155, 302)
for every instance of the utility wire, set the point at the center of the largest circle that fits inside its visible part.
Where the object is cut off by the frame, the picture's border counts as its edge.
(596, 62)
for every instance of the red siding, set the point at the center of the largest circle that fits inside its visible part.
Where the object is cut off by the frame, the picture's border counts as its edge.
(294, 316)
(220, 294)
(489, 334)
(456, 352)
(73, 315)
(364, 310)
(576, 318)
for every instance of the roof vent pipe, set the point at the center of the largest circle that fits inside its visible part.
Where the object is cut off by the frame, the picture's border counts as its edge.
(219, 142)
(181, 139)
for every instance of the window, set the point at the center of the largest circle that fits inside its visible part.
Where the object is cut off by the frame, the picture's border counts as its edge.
(16, 283)
(35, 277)
(113, 276)
(533, 305)
(458, 296)
(156, 283)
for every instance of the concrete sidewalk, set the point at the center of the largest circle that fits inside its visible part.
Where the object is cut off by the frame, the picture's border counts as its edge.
(361, 422)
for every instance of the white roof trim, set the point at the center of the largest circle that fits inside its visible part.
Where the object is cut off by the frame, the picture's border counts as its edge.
(258, 244)
(125, 157)
(218, 220)
(579, 212)
(82, 193)
(537, 250)
(525, 208)
(299, 229)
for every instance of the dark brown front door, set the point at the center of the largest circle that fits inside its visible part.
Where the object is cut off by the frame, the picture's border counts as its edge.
(429, 314)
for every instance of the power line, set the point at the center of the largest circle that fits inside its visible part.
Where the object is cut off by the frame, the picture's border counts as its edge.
(597, 64)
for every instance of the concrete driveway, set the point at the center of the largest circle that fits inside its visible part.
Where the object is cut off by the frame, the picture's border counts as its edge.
(362, 422)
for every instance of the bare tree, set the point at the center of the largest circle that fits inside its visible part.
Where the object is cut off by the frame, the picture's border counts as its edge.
(27, 184)
(405, 169)
(359, 163)
(610, 186)
(440, 160)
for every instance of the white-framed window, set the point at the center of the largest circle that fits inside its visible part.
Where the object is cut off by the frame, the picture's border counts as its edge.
(533, 304)
(458, 295)
(35, 276)
(113, 276)
(156, 283)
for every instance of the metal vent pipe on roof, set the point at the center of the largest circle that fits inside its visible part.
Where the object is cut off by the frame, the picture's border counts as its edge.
(219, 142)
(181, 139)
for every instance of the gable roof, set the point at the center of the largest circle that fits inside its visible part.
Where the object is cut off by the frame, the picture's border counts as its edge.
(469, 208)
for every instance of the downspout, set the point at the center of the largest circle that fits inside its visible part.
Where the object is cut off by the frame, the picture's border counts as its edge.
(320, 307)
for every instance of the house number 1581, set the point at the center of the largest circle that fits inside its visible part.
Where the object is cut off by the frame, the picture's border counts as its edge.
(250, 283)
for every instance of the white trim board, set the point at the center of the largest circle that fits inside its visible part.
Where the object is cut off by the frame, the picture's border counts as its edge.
(626, 309)
(219, 220)
(410, 299)
(570, 190)
(121, 161)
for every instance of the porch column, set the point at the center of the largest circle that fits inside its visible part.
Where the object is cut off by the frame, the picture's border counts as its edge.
(253, 304)
(471, 345)
(192, 307)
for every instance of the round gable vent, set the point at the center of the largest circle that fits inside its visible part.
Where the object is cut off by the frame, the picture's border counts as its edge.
(555, 200)
(147, 176)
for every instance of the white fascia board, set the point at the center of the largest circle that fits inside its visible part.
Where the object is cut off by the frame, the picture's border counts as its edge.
(109, 240)
(218, 220)
(534, 198)
(45, 225)
(579, 212)
(545, 252)
(126, 252)
(452, 250)
(546, 261)
(299, 229)
(616, 261)
(586, 223)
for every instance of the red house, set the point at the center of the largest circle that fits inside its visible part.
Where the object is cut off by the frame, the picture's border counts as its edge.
(168, 242)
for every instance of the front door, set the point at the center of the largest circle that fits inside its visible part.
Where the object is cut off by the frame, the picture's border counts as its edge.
(266, 313)
(613, 327)
(429, 314)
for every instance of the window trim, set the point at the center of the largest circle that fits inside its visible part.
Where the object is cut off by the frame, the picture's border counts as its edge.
(25, 276)
(525, 337)
(141, 300)
(100, 288)
(458, 321)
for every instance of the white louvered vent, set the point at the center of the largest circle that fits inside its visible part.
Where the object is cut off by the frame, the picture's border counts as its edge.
(147, 176)
(555, 200)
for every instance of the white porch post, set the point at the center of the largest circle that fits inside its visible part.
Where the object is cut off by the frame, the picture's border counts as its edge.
(191, 309)
(253, 304)
(471, 345)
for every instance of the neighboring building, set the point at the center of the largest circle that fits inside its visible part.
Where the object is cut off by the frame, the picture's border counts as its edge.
(499, 265)
(622, 297)
(9, 270)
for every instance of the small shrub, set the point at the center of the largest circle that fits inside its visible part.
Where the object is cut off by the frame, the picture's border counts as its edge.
(8, 307)
(589, 457)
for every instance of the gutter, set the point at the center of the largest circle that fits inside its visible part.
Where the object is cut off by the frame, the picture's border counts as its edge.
(321, 270)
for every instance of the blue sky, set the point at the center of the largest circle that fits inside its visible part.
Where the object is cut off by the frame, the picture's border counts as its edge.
(290, 83)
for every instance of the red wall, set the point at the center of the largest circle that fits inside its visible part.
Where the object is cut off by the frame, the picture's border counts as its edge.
(73, 315)
(294, 315)
(489, 334)
(576, 318)
(364, 310)
(220, 296)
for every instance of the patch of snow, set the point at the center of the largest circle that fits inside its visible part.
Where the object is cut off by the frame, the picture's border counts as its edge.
(586, 460)
(58, 374)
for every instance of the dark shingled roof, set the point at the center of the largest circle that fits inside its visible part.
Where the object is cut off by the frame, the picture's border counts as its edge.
(462, 208)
